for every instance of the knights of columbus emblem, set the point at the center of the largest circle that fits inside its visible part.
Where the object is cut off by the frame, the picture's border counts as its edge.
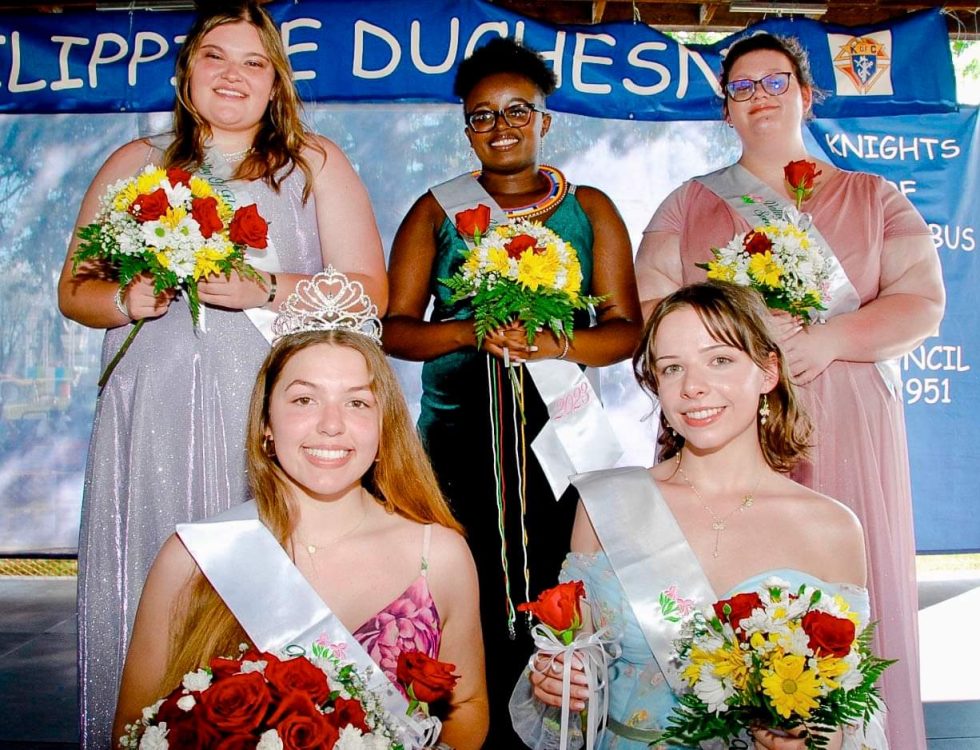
(863, 60)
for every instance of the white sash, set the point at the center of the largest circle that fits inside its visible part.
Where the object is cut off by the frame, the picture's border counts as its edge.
(578, 435)
(732, 184)
(275, 604)
(656, 567)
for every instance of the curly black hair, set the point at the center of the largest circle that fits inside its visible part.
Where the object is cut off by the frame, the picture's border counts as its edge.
(502, 55)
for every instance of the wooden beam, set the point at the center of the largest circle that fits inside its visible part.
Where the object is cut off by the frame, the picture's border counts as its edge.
(598, 8)
(707, 12)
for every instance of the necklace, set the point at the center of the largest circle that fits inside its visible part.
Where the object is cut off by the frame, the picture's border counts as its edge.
(312, 549)
(557, 190)
(237, 155)
(719, 523)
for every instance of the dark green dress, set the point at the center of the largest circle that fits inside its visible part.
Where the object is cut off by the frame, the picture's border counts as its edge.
(455, 425)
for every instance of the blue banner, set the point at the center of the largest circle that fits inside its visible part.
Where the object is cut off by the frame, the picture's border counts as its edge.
(933, 160)
(382, 50)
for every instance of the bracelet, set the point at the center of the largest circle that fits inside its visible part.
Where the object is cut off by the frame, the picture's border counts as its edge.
(273, 286)
(565, 347)
(120, 303)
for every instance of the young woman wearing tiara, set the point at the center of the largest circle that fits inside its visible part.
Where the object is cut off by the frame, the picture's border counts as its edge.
(340, 482)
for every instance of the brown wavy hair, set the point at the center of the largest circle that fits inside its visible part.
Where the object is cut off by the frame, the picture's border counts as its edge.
(401, 479)
(736, 316)
(278, 146)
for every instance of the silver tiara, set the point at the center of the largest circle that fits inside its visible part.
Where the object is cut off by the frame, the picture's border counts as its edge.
(328, 301)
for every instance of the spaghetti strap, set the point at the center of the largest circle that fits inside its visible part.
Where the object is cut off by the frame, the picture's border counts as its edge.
(426, 538)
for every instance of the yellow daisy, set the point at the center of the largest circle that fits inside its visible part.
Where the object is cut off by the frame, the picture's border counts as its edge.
(536, 270)
(718, 271)
(202, 189)
(150, 181)
(764, 269)
(791, 686)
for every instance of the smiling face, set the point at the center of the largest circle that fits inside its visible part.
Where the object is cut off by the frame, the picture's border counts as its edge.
(709, 391)
(506, 148)
(325, 421)
(232, 79)
(765, 114)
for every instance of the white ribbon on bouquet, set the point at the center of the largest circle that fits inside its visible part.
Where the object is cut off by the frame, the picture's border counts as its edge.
(594, 651)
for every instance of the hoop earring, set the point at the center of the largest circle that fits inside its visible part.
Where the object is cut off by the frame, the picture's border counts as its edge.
(268, 446)
(764, 410)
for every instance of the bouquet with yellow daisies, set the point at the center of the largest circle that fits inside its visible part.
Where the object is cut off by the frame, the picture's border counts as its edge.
(781, 658)
(518, 271)
(779, 258)
(175, 227)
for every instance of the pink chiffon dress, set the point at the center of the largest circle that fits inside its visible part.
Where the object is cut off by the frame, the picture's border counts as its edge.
(860, 456)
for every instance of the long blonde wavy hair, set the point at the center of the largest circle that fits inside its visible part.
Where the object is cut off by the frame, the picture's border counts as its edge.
(278, 146)
(401, 478)
(736, 316)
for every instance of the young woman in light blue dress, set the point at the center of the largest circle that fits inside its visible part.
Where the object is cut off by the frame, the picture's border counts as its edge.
(731, 429)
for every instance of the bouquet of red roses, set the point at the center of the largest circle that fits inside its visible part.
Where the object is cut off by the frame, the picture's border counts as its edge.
(265, 702)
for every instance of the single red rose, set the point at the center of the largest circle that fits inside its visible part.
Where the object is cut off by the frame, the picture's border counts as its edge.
(473, 222)
(298, 674)
(430, 680)
(757, 243)
(187, 730)
(300, 724)
(150, 206)
(349, 713)
(249, 228)
(205, 212)
(558, 607)
(829, 635)
(801, 174)
(178, 176)
(519, 244)
(741, 607)
(237, 703)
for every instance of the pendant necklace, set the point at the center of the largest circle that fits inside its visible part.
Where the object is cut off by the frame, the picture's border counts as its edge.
(719, 523)
(312, 549)
(237, 155)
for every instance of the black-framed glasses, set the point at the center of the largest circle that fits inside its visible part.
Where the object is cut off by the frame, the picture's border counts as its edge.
(774, 84)
(516, 115)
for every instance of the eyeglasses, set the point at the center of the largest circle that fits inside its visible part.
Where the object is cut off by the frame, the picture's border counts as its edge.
(516, 115)
(774, 84)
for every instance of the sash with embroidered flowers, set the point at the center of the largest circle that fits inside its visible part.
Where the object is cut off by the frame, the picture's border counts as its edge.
(277, 607)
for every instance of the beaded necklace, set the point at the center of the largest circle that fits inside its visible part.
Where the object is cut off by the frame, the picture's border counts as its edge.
(557, 190)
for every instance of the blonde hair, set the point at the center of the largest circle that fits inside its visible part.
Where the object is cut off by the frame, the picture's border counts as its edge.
(736, 316)
(278, 146)
(401, 478)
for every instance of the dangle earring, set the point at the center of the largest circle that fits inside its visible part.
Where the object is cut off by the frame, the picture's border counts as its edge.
(764, 409)
(268, 446)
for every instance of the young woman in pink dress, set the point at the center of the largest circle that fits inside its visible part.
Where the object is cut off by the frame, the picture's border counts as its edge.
(860, 454)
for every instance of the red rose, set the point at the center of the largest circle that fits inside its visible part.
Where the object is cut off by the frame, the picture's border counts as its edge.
(740, 607)
(300, 724)
(473, 222)
(801, 174)
(428, 679)
(298, 674)
(349, 713)
(249, 228)
(519, 244)
(193, 733)
(829, 635)
(235, 742)
(178, 176)
(558, 607)
(757, 243)
(150, 206)
(205, 212)
(237, 703)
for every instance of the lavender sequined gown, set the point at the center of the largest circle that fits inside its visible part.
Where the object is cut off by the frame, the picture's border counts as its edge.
(167, 447)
